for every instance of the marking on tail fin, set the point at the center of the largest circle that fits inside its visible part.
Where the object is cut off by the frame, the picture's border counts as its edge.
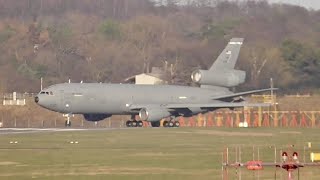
(235, 43)
(229, 56)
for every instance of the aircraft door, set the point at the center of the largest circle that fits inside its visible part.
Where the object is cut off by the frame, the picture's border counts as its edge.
(66, 101)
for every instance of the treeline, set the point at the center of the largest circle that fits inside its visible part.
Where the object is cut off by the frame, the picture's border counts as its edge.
(105, 8)
(110, 40)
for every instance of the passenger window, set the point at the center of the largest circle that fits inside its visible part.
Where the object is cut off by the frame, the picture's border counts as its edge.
(42, 92)
(51, 93)
(47, 93)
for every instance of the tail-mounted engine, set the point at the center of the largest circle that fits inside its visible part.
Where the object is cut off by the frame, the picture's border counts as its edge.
(229, 78)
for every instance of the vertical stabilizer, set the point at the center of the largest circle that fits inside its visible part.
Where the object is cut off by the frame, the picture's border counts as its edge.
(229, 56)
(222, 73)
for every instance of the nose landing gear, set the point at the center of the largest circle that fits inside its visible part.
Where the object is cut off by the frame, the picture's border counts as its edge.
(68, 121)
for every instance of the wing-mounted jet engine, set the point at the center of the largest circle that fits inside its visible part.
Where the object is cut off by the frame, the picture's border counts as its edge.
(228, 78)
(154, 115)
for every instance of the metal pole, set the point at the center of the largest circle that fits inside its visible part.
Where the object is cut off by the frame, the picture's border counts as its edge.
(224, 164)
(258, 160)
(304, 154)
(271, 85)
(240, 162)
(236, 151)
(275, 154)
(227, 155)
(41, 81)
(253, 153)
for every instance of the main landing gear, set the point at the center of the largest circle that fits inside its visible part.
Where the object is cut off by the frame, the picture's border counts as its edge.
(171, 123)
(167, 123)
(134, 123)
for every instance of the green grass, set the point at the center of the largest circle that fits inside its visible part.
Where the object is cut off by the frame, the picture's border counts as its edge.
(147, 153)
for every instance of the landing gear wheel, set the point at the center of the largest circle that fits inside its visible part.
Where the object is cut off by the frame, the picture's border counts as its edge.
(171, 124)
(177, 124)
(139, 124)
(155, 124)
(165, 124)
(129, 123)
(134, 123)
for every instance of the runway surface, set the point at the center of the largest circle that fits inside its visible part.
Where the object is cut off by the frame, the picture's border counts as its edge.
(5, 131)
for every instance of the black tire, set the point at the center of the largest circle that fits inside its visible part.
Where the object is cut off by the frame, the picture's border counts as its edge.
(171, 124)
(68, 124)
(165, 124)
(177, 124)
(129, 123)
(134, 123)
(140, 124)
(155, 124)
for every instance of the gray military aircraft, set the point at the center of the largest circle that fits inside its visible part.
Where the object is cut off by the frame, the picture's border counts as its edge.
(97, 101)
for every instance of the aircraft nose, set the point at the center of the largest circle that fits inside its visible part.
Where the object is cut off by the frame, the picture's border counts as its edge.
(36, 99)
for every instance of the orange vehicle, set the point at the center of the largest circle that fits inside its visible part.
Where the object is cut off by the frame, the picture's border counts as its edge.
(254, 165)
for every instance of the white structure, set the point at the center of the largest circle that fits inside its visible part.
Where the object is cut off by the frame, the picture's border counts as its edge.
(148, 79)
(13, 100)
(155, 77)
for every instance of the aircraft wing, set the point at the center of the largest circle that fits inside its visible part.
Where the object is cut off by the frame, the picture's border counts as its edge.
(228, 96)
(135, 107)
(216, 105)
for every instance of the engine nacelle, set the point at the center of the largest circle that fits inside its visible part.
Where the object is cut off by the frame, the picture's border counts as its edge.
(228, 78)
(153, 114)
(96, 117)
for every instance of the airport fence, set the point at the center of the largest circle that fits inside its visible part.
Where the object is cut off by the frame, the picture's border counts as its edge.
(292, 119)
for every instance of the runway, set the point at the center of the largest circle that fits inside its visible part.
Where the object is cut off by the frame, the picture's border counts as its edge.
(6, 131)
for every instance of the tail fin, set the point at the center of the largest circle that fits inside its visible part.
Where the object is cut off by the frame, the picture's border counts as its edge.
(229, 56)
(222, 74)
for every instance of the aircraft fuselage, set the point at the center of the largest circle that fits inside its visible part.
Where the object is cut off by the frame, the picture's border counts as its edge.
(98, 98)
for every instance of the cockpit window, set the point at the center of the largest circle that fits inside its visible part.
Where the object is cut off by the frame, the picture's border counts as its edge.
(77, 94)
(46, 92)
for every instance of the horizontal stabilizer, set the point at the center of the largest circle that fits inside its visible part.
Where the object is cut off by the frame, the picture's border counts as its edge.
(228, 96)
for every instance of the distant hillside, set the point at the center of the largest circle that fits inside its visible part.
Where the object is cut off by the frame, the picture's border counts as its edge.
(107, 41)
